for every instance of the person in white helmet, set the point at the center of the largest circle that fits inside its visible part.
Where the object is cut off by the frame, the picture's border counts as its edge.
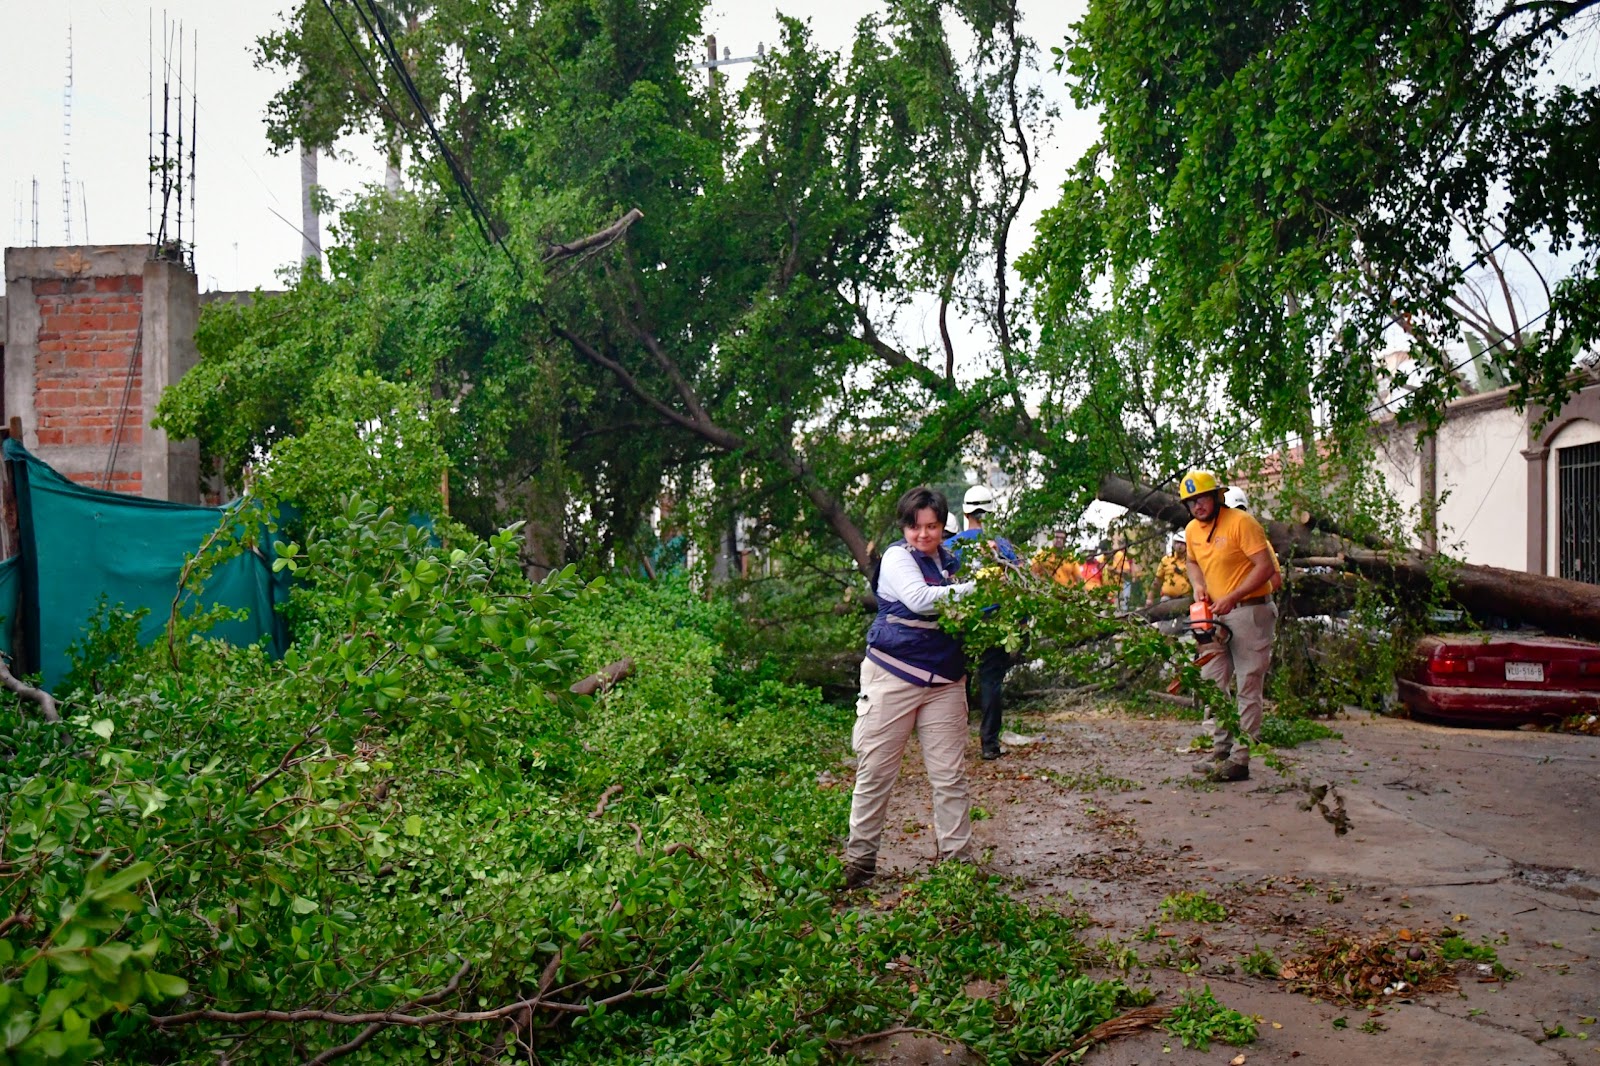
(993, 663)
(1235, 497)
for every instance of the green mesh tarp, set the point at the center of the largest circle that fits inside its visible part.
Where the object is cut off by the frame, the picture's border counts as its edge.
(81, 547)
(10, 599)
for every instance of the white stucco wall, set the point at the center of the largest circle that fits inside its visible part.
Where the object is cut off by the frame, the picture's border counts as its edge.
(1483, 488)
(1574, 433)
(1398, 467)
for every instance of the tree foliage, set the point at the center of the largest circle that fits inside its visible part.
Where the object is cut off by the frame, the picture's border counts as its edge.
(747, 317)
(387, 846)
(1280, 187)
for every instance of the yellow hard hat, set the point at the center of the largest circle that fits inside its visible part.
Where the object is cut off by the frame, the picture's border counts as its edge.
(1196, 483)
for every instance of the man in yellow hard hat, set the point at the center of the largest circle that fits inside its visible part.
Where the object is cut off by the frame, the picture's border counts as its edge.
(1232, 566)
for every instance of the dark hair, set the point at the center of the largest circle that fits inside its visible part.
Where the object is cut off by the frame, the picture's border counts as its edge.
(917, 499)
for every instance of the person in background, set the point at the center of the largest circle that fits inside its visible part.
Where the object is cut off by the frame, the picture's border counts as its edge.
(1054, 562)
(1172, 573)
(913, 678)
(1232, 566)
(993, 663)
(1121, 572)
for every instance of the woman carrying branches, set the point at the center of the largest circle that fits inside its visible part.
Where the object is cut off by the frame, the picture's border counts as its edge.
(912, 678)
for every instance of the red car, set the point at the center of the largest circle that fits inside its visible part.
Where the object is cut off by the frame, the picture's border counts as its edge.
(1501, 679)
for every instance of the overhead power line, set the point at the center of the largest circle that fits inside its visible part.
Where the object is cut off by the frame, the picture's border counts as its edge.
(377, 28)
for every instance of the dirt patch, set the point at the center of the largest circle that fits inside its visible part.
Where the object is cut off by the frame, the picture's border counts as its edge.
(1480, 833)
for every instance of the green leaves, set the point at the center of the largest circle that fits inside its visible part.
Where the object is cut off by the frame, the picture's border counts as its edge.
(1272, 198)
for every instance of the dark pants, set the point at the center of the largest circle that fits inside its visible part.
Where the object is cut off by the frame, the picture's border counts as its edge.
(992, 667)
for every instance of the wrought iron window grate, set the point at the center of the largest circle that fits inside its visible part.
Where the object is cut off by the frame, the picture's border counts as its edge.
(1579, 501)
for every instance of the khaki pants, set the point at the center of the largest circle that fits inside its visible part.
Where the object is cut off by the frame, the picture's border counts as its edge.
(1244, 661)
(887, 710)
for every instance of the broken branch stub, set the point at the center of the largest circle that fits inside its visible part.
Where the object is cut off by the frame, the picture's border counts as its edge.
(46, 702)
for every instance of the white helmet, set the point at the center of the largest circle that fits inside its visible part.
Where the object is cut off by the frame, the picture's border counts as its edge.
(978, 498)
(1180, 537)
(1236, 499)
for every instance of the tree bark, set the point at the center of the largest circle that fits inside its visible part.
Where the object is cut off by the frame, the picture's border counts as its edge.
(603, 678)
(1551, 603)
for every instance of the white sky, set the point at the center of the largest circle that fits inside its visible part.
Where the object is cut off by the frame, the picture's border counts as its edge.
(241, 188)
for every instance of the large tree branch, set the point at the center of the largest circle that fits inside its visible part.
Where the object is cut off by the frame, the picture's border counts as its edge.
(554, 253)
(927, 377)
(713, 433)
(1012, 209)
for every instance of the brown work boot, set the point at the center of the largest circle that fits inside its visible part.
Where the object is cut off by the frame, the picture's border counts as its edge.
(1209, 762)
(1230, 770)
(858, 873)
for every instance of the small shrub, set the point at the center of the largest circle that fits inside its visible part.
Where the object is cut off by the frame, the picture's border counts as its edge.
(1192, 907)
(1199, 1019)
(1260, 963)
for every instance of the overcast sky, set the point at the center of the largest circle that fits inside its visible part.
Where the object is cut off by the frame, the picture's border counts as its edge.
(247, 200)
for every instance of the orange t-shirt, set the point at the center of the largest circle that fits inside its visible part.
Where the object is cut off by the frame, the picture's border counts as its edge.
(1222, 549)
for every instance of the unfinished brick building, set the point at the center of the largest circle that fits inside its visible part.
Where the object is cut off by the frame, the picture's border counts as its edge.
(92, 337)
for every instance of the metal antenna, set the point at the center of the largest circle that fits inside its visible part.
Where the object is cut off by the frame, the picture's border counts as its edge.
(194, 130)
(83, 202)
(66, 144)
(35, 240)
(166, 153)
(180, 140)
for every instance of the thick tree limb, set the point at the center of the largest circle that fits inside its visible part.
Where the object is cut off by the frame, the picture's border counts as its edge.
(555, 253)
(46, 702)
(605, 677)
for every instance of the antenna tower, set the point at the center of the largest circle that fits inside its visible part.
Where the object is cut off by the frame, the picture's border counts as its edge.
(35, 240)
(66, 144)
(169, 163)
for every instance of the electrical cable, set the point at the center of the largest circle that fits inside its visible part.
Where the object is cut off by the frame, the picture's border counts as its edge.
(392, 60)
(391, 54)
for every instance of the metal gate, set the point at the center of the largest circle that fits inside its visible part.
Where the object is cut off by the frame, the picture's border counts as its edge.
(1580, 508)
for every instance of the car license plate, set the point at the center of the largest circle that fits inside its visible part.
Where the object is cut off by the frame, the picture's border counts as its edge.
(1524, 671)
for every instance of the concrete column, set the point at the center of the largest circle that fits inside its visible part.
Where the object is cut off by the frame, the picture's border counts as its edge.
(1429, 487)
(171, 469)
(1538, 507)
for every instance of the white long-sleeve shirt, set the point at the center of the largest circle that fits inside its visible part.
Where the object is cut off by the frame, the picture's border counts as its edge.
(900, 578)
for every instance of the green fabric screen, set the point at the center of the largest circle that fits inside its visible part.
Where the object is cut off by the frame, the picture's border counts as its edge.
(81, 544)
(10, 600)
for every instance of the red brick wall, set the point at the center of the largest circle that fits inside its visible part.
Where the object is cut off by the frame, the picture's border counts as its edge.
(88, 330)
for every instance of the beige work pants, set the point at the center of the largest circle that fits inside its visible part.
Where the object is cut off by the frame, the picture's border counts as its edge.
(887, 710)
(1244, 662)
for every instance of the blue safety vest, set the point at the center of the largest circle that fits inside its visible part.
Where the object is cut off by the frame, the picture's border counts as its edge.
(911, 646)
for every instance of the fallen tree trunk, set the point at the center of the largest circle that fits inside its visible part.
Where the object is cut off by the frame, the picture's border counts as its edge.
(602, 679)
(1551, 603)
